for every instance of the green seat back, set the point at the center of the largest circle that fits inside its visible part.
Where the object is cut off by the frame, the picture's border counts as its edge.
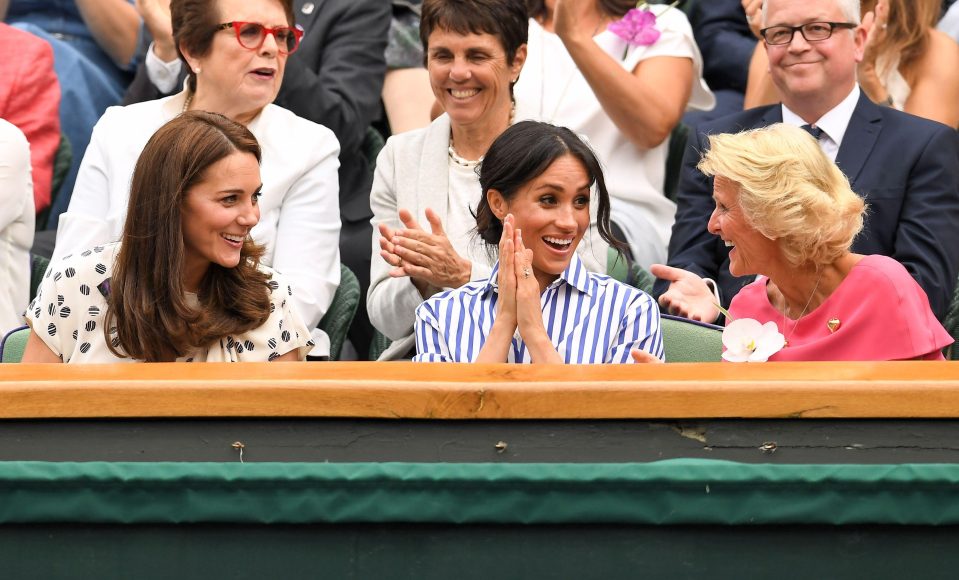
(338, 318)
(372, 144)
(623, 270)
(688, 341)
(952, 325)
(62, 160)
(38, 266)
(13, 345)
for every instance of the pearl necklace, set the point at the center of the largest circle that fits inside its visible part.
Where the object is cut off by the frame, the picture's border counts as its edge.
(187, 103)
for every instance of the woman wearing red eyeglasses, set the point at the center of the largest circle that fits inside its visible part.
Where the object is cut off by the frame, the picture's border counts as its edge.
(236, 51)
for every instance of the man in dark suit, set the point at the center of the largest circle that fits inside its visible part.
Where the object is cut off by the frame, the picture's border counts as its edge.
(906, 168)
(335, 79)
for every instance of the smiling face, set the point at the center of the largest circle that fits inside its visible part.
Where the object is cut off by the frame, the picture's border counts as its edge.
(218, 214)
(233, 80)
(470, 76)
(813, 74)
(552, 211)
(750, 251)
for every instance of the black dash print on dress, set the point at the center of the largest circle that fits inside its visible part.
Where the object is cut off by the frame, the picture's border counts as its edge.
(90, 326)
(65, 312)
(101, 269)
(70, 272)
(285, 336)
(271, 343)
(85, 347)
(84, 289)
(273, 356)
(273, 285)
(248, 345)
(94, 311)
(52, 329)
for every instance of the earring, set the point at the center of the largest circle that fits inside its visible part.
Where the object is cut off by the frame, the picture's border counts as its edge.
(196, 70)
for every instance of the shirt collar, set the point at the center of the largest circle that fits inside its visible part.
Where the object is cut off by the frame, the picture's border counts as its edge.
(834, 122)
(575, 275)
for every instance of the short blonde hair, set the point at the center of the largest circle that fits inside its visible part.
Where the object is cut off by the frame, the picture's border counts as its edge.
(789, 191)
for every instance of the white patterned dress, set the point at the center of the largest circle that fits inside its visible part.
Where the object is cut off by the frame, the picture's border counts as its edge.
(70, 308)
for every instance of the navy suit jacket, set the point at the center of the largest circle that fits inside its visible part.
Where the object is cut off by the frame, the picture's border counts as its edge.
(906, 168)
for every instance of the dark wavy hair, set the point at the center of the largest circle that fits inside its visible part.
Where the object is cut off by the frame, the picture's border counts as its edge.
(507, 20)
(522, 153)
(147, 302)
(194, 23)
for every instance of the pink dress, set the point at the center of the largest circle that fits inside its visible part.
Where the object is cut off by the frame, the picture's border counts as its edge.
(882, 314)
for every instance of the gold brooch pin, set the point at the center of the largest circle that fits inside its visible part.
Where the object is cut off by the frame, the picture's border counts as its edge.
(833, 324)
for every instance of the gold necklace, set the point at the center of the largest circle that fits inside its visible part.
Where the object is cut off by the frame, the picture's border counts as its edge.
(786, 308)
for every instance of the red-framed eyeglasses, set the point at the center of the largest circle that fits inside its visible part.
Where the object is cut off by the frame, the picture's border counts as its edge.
(251, 35)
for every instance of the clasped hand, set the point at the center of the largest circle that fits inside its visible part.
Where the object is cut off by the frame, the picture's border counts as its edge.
(428, 258)
(518, 305)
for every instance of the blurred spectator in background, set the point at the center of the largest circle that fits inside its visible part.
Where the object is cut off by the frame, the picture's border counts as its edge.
(94, 42)
(30, 99)
(726, 43)
(407, 96)
(16, 225)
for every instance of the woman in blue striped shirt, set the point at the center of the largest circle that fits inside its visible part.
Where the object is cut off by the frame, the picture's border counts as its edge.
(540, 305)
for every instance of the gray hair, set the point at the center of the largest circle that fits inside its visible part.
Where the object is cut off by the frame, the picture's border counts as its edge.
(850, 8)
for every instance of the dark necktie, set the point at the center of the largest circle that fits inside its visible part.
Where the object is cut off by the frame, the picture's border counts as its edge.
(816, 132)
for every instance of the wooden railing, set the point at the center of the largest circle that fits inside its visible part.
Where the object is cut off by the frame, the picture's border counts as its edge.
(456, 391)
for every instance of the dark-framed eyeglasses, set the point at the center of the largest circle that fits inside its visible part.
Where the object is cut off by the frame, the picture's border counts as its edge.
(811, 31)
(252, 34)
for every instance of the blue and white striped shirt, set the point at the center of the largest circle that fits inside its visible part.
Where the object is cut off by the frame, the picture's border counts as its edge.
(590, 318)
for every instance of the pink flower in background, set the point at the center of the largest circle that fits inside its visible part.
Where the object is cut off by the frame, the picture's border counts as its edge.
(637, 28)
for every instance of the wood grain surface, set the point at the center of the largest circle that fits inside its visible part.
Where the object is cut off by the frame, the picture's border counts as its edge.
(490, 391)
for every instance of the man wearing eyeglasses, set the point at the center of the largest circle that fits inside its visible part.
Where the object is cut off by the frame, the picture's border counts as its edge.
(906, 168)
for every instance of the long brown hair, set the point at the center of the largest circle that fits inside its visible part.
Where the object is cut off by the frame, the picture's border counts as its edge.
(908, 26)
(147, 302)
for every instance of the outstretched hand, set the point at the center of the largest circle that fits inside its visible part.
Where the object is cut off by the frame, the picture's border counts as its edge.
(687, 296)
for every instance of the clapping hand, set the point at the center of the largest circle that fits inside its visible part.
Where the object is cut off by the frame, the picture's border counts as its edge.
(753, 9)
(518, 303)
(874, 23)
(428, 258)
(156, 17)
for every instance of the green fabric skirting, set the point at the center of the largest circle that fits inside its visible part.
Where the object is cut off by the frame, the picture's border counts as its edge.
(682, 491)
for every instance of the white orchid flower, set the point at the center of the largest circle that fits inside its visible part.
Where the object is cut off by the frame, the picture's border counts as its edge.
(746, 340)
